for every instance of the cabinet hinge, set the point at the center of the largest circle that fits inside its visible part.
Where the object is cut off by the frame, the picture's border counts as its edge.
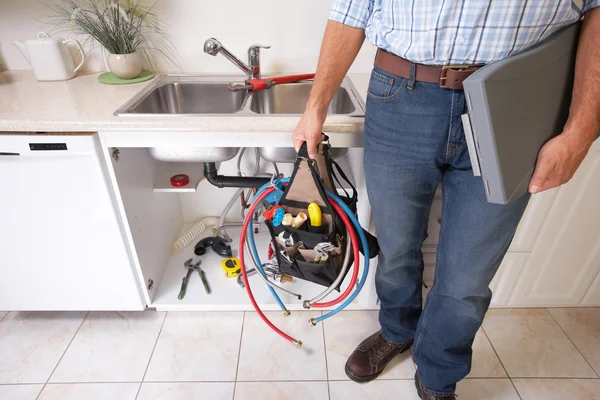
(115, 154)
(150, 284)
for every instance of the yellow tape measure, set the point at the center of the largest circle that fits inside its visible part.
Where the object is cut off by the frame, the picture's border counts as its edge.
(231, 266)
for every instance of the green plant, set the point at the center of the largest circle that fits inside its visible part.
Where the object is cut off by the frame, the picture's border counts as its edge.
(121, 27)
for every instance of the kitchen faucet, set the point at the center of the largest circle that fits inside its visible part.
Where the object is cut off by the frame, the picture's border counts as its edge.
(213, 47)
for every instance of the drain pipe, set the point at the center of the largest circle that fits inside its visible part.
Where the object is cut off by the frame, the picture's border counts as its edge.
(221, 181)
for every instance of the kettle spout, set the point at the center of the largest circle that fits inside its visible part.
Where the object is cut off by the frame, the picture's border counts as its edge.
(22, 49)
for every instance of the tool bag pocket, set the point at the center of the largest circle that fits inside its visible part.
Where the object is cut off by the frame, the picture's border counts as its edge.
(298, 260)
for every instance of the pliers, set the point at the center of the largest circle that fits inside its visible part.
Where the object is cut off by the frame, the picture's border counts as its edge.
(191, 268)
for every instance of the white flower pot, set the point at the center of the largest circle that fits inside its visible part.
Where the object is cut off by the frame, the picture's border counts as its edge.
(125, 66)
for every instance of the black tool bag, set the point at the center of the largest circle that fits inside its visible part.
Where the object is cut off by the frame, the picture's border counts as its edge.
(307, 185)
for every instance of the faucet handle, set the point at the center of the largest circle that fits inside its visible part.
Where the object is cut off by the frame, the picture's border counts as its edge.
(255, 49)
(254, 59)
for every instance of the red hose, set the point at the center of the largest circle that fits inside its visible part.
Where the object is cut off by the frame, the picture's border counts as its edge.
(245, 276)
(352, 234)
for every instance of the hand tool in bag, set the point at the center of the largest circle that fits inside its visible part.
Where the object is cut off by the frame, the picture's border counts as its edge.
(322, 250)
(267, 83)
(191, 267)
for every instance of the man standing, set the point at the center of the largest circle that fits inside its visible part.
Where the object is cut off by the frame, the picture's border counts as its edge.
(414, 141)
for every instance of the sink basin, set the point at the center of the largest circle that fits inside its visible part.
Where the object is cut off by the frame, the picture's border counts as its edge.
(187, 95)
(190, 98)
(292, 98)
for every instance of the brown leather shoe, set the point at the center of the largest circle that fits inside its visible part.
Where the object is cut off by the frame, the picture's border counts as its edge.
(371, 356)
(425, 395)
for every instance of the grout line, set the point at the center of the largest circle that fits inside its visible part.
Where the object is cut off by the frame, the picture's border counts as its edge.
(63, 354)
(2, 319)
(573, 343)
(501, 363)
(152, 353)
(326, 361)
(237, 366)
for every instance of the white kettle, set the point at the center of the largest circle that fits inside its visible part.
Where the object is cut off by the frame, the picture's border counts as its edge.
(50, 58)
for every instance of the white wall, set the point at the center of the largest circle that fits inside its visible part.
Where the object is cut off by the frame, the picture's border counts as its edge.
(292, 28)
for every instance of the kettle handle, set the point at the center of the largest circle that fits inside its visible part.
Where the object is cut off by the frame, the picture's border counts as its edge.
(80, 50)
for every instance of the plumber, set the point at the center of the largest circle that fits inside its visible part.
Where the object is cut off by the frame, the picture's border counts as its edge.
(414, 141)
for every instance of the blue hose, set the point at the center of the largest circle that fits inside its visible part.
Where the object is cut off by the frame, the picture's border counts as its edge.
(260, 268)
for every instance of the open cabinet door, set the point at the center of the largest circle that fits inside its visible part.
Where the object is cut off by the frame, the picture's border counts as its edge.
(515, 106)
(152, 220)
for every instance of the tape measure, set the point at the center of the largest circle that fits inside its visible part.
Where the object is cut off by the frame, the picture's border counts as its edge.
(231, 266)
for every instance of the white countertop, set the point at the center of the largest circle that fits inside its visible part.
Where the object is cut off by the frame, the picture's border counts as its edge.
(85, 105)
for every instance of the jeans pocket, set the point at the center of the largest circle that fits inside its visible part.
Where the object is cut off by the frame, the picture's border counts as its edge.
(385, 87)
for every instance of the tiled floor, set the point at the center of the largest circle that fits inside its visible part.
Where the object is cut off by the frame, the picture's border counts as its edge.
(518, 354)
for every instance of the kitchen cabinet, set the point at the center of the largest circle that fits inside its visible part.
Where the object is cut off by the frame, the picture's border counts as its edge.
(565, 258)
(61, 243)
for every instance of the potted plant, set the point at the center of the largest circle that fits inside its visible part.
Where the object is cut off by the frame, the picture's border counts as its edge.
(129, 30)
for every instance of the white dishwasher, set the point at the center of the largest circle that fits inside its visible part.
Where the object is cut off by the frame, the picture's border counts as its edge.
(61, 242)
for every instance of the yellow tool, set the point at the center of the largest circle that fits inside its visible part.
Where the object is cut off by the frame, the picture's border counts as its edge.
(314, 212)
(231, 266)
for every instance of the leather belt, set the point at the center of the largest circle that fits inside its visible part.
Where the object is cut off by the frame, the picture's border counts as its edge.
(448, 77)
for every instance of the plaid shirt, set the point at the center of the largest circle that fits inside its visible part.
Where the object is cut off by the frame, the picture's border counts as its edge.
(452, 32)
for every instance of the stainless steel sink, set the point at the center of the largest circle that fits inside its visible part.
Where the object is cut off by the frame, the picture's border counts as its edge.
(186, 95)
(292, 98)
(190, 98)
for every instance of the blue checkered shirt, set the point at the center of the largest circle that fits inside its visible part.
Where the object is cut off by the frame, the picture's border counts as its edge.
(453, 32)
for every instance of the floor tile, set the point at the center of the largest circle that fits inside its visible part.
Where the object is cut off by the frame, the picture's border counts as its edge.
(281, 390)
(582, 325)
(265, 356)
(380, 390)
(186, 391)
(111, 347)
(488, 389)
(3, 314)
(345, 331)
(485, 361)
(90, 391)
(19, 392)
(531, 344)
(197, 346)
(558, 389)
(31, 343)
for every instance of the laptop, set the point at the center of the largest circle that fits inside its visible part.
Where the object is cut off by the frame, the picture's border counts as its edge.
(514, 107)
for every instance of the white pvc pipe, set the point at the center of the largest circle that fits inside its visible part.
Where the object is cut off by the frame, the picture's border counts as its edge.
(185, 238)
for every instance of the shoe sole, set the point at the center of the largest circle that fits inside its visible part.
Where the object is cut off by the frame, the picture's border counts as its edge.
(360, 379)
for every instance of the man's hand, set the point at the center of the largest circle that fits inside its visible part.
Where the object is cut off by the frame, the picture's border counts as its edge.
(557, 161)
(309, 130)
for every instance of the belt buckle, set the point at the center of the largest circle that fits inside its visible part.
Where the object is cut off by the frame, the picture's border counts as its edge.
(445, 69)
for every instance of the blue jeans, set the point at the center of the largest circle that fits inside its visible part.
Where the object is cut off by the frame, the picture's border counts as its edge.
(414, 141)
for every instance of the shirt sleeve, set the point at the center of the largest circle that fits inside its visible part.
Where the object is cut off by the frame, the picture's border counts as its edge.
(589, 4)
(353, 13)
